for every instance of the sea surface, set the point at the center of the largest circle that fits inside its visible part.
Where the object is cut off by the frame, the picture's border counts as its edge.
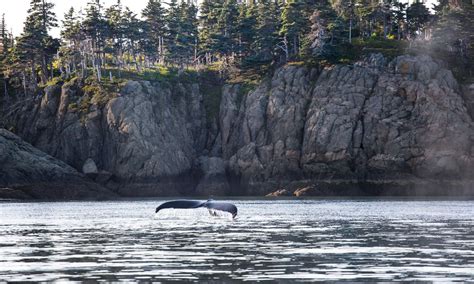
(282, 240)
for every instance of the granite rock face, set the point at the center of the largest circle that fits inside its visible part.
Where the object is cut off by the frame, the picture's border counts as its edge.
(147, 136)
(367, 123)
(371, 126)
(26, 172)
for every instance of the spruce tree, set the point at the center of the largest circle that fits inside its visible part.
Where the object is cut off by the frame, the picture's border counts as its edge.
(226, 37)
(114, 33)
(326, 32)
(208, 33)
(267, 31)
(418, 17)
(4, 39)
(399, 15)
(453, 36)
(247, 33)
(4, 46)
(155, 24)
(188, 38)
(35, 42)
(95, 28)
(172, 18)
(293, 23)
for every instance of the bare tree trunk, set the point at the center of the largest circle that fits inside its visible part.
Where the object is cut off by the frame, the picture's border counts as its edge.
(24, 84)
(33, 74)
(350, 30)
(44, 71)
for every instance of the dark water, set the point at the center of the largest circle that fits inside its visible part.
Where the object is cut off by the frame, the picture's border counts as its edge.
(282, 240)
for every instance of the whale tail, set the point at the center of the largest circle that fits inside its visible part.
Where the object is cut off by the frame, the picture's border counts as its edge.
(210, 204)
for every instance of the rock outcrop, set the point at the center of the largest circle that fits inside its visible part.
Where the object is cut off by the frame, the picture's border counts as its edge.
(370, 128)
(26, 172)
(370, 125)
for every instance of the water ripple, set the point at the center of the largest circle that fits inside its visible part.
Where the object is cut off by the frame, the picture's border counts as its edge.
(287, 240)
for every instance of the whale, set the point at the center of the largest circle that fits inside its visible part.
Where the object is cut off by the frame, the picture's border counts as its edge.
(210, 204)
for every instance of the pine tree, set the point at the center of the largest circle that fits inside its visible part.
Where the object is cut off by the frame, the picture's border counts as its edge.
(453, 36)
(267, 31)
(154, 15)
(133, 34)
(4, 39)
(326, 32)
(418, 17)
(247, 33)
(399, 15)
(366, 14)
(226, 37)
(35, 43)
(293, 22)
(188, 38)
(114, 33)
(95, 28)
(208, 33)
(173, 30)
(346, 10)
(71, 36)
(4, 46)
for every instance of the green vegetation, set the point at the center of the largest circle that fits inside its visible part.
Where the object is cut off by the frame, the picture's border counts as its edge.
(239, 40)
(390, 48)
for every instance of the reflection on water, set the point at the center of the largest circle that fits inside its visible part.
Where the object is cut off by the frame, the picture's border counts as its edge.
(284, 240)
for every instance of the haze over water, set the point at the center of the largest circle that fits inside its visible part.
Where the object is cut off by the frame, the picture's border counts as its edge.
(283, 240)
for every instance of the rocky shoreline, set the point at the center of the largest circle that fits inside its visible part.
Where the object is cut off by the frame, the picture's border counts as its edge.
(373, 128)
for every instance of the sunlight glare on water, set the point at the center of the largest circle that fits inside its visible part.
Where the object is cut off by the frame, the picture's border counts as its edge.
(283, 240)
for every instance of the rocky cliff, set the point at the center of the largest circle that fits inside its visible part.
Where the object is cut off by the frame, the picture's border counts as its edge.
(26, 172)
(375, 127)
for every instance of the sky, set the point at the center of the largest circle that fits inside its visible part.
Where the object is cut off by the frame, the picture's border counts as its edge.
(16, 10)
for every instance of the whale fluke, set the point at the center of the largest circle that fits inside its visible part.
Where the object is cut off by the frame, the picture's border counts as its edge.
(192, 204)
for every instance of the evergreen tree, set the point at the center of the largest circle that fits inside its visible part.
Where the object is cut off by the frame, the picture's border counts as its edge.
(188, 38)
(173, 18)
(293, 23)
(226, 36)
(114, 33)
(208, 33)
(418, 17)
(154, 15)
(35, 41)
(267, 31)
(453, 36)
(247, 23)
(326, 32)
(94, 27)
(131, 27)
(399, 15)
(346, 10)
(71, 36)
(4, 46)
(4, 39)
(366, 13)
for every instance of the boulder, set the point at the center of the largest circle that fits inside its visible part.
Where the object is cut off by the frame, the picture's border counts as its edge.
(279, 193)
(90, 168)
(306, 191)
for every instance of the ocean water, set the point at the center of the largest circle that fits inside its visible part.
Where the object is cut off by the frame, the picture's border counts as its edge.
(283, 240)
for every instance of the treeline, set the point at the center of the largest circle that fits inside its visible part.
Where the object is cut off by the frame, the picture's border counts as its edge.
(225, 33)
